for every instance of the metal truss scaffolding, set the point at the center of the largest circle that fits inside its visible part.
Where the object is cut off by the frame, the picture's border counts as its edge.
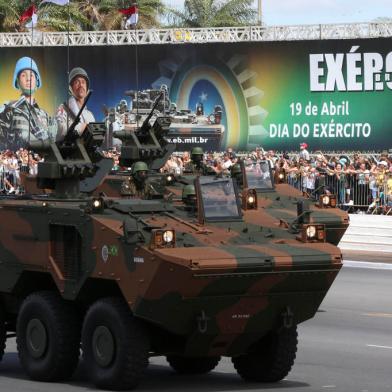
(199, 36)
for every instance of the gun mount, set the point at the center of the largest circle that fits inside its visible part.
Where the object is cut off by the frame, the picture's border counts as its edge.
(68, 162)
(147, 143)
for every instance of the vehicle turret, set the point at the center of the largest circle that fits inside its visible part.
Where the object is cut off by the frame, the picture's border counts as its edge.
(69, 161)
(147, 143)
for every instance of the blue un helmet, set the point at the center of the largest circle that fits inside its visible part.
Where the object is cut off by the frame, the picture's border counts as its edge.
(26, 63)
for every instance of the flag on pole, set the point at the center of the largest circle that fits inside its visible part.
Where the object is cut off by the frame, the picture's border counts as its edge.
(133, 15)
(28, 14)
(58, 2)
(33, 22)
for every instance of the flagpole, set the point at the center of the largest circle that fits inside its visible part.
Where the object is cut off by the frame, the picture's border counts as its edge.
(31, 70)
(68, 51)
(137, 76)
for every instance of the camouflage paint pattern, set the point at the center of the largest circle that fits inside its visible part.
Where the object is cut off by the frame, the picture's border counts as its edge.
(222, 288)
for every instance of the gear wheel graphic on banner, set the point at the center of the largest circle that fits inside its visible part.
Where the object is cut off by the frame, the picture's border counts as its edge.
(233, 80)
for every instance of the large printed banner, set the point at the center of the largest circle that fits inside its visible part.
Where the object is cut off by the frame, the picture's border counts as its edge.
(330, 94)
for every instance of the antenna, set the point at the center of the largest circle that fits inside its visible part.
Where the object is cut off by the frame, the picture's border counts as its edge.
(30, 89)
(136, 73)
(68, 49)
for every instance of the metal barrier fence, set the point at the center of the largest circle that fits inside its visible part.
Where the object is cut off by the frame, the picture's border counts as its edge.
(352, 190)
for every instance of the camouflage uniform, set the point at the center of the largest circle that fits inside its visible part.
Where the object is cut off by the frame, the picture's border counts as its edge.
(144, 190)
(200, 169)
(21, 121)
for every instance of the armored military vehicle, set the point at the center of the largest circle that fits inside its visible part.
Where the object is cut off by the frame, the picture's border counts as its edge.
(281, 199)
(187, 128)
(129, 278)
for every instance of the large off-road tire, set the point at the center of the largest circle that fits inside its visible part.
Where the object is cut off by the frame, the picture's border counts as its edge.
(3, 332)
(186, 365)
(271, 359)
(48, 337)
(115, 347)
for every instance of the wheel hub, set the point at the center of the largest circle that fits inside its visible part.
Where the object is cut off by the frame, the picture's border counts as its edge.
(36, 338)
(103, 346)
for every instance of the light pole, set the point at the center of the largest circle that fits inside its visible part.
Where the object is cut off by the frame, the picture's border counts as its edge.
(260, 13)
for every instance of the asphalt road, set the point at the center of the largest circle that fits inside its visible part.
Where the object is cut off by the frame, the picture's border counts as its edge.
(346, 347)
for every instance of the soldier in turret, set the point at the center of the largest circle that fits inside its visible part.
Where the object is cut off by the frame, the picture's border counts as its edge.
(196, 165)
(138, 186)
(79, 85)
(23, 120)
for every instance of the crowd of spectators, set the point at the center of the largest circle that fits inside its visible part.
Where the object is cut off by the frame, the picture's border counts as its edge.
(358, 180)
(12, 165)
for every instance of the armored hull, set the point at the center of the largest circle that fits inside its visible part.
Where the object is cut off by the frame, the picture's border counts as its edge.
(220, 290)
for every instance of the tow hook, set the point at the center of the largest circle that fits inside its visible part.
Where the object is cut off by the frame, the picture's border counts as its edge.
(202, 322)
(288, 318)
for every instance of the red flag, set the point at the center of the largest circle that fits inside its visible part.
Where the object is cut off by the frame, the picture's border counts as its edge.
(129, 11)
(28, 14)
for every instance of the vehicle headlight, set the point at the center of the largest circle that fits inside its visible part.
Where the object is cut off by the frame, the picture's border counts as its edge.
(168, 236)
(96, 205)
(163, 239)
(326, 200)
(311, 232)
(249, 199)
(281, 176)
(169, 179)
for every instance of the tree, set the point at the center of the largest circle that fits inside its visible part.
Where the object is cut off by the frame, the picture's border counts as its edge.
(213, 13)
(80, 15)
(10, 11)
(149, 12)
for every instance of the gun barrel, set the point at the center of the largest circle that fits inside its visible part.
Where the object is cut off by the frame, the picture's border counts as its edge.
(148, 118)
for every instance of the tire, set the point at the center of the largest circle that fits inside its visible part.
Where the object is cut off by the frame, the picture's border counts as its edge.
(48, 337)
(200, 365)
(271, 359)
(3, 333)
(115, 348)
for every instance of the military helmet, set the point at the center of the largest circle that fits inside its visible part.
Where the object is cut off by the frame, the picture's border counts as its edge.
(197, 151)
(139, 171)
(236, 169)
(189, 194)
(139, 166)
(78, 71)
(26, 63)
(197, 154)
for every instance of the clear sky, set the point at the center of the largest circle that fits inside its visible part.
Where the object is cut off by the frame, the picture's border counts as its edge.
(283, 12)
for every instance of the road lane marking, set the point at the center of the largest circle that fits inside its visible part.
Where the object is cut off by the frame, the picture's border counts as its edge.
(329, 386)
(377, 346)
(385, 315)
(367, 265)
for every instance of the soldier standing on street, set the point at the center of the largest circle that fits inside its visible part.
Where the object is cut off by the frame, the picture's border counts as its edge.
(79, 85)
(23, 120)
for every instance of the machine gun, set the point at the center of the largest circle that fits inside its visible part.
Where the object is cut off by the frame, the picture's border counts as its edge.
(143, 131)
(73, 159)
(147, 143)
